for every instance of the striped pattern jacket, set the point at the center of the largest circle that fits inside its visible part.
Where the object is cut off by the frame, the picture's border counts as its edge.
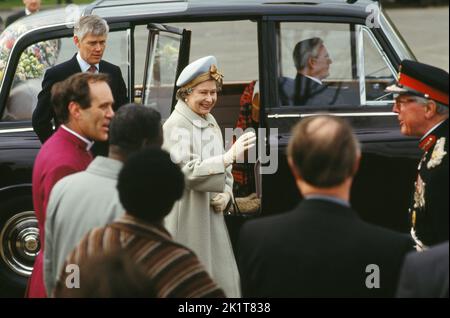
(174, 269)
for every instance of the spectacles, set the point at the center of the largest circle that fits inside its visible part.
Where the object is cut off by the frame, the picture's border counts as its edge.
(402, 101)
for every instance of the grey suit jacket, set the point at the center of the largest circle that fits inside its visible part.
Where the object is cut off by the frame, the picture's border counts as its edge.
(77, 204)
(425, 274)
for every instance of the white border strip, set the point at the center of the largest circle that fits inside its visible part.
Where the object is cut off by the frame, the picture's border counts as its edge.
(6, 131)
(332, 114)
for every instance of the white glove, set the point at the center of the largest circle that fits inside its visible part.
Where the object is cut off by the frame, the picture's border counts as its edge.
(237, 151)
(220, 202)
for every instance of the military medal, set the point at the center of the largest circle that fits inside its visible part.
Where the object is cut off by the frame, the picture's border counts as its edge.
(424, 157)
(420, 247)
(419, 194)
(438, 154)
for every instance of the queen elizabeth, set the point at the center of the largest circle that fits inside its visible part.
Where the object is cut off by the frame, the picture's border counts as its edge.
(194, 140)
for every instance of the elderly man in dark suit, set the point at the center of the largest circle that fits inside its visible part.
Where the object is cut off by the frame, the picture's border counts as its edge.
(422, 107)
(321, 248)
(312, 61)
(425, 274)
(31, 6)
(90, 34)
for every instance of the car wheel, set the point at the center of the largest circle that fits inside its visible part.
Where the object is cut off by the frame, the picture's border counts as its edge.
(19, 244)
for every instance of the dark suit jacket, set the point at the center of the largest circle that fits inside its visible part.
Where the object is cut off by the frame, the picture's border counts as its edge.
(305, 91)
(432, 220)
(44, 113)
(425, 274)
(320, 249)
(15, 16)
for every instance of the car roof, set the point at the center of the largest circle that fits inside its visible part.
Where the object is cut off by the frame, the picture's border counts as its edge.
(135, 10)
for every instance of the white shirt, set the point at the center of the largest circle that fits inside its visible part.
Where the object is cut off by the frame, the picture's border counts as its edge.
(89, 143)
(314, 79)
(84, 66)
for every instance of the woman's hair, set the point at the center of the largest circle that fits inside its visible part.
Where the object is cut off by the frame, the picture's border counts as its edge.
(183, 92)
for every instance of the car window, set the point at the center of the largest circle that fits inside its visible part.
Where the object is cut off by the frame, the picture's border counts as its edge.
(140, 48)
(378, 72)
(38, 57)
(160, 71)
(316, 65)
(27, 81)
(235, 45)
(328, 64)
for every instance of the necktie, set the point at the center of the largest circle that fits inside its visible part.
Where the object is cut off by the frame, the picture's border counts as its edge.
(92, 69)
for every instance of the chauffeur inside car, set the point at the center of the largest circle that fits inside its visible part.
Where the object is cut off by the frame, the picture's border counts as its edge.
(312, 61)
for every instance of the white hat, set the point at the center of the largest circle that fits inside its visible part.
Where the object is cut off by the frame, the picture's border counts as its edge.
(206, 66)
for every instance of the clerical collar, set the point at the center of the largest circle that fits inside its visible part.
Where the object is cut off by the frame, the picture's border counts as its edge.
(89, 143)
(314, 79)
(84, 66)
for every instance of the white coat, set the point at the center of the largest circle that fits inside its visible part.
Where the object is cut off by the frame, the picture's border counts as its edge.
(196, 144)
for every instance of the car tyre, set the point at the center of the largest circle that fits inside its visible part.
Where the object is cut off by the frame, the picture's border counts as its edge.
(19, 244)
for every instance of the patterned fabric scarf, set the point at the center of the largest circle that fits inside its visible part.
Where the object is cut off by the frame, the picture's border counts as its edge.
(243, 172)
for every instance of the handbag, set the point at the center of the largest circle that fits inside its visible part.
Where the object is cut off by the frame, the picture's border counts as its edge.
(248, 206)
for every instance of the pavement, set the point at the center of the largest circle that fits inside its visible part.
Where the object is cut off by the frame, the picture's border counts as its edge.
(426, 32)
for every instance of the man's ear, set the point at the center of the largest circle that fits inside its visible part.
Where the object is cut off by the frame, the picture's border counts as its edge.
(293, 169)
(74, 110)
(357, 163)
(76, 40)
(430, 109)
(311, 62)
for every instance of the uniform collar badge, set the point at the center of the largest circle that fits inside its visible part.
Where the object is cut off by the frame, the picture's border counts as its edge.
(427, 143)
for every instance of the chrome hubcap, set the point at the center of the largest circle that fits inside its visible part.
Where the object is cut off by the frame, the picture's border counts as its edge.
(20, 244)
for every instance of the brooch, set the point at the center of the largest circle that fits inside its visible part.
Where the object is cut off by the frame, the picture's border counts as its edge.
(438, 154)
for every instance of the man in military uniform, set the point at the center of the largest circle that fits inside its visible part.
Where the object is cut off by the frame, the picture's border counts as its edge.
(422, 107)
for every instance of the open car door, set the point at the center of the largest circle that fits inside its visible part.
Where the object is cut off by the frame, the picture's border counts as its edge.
(167, 55)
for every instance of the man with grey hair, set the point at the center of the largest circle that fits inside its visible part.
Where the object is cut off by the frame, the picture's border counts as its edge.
(312, 60)
(321, 248)
(90, 34)
(312, 63)
(422, 107)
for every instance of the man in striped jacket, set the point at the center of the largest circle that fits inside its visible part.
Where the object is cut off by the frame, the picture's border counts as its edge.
(148, 185)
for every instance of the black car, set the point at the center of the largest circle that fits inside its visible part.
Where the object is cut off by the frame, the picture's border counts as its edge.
(152, 40)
